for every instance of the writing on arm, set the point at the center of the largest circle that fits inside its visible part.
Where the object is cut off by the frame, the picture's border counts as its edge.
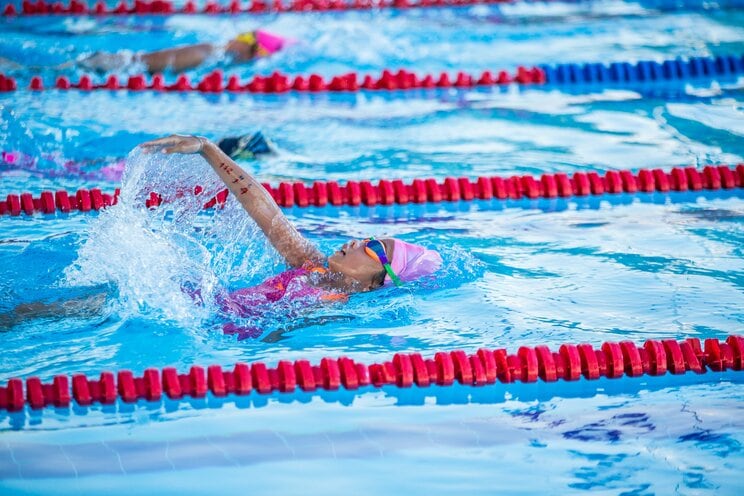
(259, 204)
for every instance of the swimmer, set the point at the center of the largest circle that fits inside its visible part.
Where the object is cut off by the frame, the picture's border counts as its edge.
(250, 146)
(357, 266)
(243, 48)
(312, 278)
(246, 147)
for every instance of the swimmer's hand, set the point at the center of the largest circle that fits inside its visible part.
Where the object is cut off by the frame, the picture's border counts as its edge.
(176, 143)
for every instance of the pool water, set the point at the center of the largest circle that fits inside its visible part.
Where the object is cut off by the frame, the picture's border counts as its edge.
(528, 272)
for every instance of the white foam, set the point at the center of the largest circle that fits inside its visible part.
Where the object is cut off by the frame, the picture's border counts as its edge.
(152, 255)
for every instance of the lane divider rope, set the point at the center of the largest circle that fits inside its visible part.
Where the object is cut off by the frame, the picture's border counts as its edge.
(616, 74)
(570, 363)
(166, 7)
(235, 7)
(278, 82)
(387, 192)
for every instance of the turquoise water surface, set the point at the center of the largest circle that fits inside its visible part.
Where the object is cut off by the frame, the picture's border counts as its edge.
(591, 269)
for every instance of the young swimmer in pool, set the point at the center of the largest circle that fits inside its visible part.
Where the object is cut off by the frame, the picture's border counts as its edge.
(243, 48)
(359, 265)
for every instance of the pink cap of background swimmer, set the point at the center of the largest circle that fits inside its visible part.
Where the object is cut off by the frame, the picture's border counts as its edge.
(10, 157)
(413, 261)
(270, 42)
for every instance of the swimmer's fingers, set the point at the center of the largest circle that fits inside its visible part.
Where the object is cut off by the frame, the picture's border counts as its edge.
(160, 143)
(186, 145)
(157, 144)
(173, 144)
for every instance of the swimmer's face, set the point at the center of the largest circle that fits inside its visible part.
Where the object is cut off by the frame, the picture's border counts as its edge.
(353, 262)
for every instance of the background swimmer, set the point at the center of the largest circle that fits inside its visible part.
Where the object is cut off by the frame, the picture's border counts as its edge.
(243, 48)
(249, 146)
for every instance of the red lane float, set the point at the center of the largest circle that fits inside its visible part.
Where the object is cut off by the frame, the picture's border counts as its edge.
(166, 7)
(282, 83)
(353, 193)
(49, 202)
(611, 360)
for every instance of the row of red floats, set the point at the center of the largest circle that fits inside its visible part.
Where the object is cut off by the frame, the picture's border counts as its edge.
(48, 202)
(141, 7)
(516, 187)
(385, 192)
(570, 363)
(280, 83)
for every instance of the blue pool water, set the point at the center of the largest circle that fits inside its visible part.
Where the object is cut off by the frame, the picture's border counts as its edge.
(625, 267)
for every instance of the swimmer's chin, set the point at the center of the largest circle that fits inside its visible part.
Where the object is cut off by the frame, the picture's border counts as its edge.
(338, 279)
(333, 261)
(335, 266)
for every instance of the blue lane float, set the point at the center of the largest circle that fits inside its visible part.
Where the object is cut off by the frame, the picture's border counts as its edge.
(618, 73)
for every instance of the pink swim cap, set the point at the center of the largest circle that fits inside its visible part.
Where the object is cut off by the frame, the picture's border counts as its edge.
(271, 43)
(413, 261)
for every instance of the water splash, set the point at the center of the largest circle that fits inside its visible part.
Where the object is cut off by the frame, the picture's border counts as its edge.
(175, 262)
(169, 262)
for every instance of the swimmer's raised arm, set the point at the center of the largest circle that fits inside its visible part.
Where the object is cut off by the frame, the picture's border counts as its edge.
(259, 204)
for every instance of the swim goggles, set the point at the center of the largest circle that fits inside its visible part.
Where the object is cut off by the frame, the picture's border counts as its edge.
(249, 38)
(375, 249)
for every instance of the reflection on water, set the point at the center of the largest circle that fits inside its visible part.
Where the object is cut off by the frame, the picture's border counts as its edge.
(516, 273)
(610, 435)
